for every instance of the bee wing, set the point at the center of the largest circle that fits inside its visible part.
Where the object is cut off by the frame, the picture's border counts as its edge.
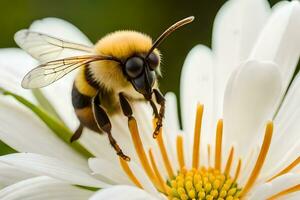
(45, 48)
(49, 72)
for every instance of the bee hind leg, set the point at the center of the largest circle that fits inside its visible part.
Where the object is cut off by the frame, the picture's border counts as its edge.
(104, 125)
(160, 99)
(77, 133)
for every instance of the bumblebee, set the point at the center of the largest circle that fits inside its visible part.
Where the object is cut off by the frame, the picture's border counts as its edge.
(121, 67)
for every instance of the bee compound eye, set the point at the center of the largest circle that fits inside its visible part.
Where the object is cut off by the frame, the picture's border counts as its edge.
(134, 67)
(153, 61)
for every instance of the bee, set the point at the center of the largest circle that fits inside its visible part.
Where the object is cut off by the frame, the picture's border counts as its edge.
(121, 67)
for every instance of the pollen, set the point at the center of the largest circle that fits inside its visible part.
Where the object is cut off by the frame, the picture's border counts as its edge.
(203, 184)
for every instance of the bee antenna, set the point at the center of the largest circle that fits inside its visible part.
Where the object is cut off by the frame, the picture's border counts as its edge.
(170, 30)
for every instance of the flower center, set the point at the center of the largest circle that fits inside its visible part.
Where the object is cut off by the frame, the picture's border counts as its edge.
(212, 181)
(203, 184)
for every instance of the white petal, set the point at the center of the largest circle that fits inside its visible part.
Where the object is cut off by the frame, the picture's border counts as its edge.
(277, 185)
(291, 196)
(25, 132)
(59, 93)
(171, 115)
(273, 166)
(289, 105)
(56, 168)
(171, 127)
(249, 103)
(98, 144)
(144, 117)
(143, 179)
(280, 41)
(111, 171)
(61, 29)
(10, 175)
(122, 192)
(14, 63)
(43, 188)
(196, 86)
(236, 28)
(287, 126)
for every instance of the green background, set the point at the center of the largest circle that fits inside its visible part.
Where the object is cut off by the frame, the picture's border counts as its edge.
(97, 18)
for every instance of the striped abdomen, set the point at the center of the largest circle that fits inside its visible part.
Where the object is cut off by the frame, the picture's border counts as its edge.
(84, 89)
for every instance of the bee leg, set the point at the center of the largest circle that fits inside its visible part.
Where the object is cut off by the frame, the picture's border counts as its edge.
(126, 108)
(104, 124)
(160, 99)
(77, 134)
(155, 111)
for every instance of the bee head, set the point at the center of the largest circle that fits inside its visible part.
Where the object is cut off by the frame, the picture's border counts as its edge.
(140, 71)
(136, 54)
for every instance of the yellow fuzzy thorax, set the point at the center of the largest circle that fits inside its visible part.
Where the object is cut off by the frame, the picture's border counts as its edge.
(123, 44)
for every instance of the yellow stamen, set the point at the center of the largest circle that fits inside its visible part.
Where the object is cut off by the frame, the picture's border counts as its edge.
(218, 153)
(261, 158)
(140, 149)
(208, 155)
(163, 186)
(249, 159)
(164, 154)
(197, 134)
(129, 173)
(287, 169)
(295, 188)
(238, 170)
(180, 152)
(229, 161)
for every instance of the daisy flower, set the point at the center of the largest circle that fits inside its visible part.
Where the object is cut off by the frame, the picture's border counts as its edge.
(240, 117)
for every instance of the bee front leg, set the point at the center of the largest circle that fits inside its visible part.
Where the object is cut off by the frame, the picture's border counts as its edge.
(126, 108)
(160, 99)
(104, 124)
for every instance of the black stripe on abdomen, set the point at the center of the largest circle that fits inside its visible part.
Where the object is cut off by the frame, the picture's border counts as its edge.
(89, 78)
(80, 100)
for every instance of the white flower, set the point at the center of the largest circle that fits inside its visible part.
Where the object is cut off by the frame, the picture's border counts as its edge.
(244, 79)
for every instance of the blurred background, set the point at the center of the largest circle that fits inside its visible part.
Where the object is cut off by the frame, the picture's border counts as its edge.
(96, 18)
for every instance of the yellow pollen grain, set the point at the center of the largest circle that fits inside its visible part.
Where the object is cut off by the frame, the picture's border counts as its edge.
(180, 152)
(129, 173)
(261, 158)
(218, 151)
(287, 169)
(197, 134)
(204, 183)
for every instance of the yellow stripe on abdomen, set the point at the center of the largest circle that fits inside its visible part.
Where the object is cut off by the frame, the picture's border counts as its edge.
(82, 85)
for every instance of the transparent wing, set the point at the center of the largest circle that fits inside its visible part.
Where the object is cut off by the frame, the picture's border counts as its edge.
(49, 72)
(45, 48)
